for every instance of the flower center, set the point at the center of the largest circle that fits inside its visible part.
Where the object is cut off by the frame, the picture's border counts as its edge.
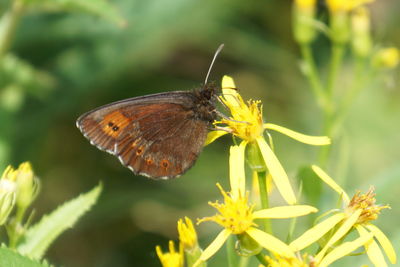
(234, 214)
(365, 202)
(246, 121)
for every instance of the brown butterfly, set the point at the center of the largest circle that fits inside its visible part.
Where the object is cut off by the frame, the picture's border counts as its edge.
(159, 135)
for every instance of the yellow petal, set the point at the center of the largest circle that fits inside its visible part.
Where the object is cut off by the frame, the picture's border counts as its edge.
(284, 212)
(278, 174)
(213, 135)
(236, 170)
(229, 91)
(373, 251)
(316, 232)
(270, 242)
(213, 247)
(384, 241)
(329, 181)
(341, 232)
(306, 139)
(344, 249)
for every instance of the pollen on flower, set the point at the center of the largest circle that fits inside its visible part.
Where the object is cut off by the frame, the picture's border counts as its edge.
(279, 261)
(234, 214)
(246, 121)
(365, 202)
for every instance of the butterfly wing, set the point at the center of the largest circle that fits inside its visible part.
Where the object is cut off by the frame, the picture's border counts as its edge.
(156, 135)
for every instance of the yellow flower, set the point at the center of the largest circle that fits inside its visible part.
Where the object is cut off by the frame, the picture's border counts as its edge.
(172, 258)
(278, 261)
(246, 123)
(357, 214)
(345, 5)
(237, 217)
(309, 261)
(187, 234)
(305, 3)
(387, 58)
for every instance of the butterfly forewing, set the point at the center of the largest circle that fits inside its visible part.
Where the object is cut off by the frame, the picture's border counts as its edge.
(156, 136)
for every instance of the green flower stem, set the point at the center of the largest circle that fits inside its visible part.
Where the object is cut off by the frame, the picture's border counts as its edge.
(8, 25)
(262, 183)
(230, 251)
(261, 258)
(362, 77)
(244, 261)
(336, 61)
(312, 75)
(338, 50)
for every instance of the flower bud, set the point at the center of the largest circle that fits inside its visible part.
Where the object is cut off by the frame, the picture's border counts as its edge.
(361, 37)
(303, 21)
(340, 27)
(254, 158)
(8, 189)
(27, 185)
(386, 58)
(247, 246)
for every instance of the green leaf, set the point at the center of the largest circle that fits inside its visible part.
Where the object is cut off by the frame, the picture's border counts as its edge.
(11, 258)
(39, 237)
(100, 8)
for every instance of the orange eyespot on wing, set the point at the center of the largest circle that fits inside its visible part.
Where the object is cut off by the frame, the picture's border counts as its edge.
(114, 123)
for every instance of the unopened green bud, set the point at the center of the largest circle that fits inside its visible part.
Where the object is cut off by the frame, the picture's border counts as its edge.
(254, 158)
(361, 37)
(8, 189)
(303, 21)
(340, 27)
(27, 185)
(246, 246)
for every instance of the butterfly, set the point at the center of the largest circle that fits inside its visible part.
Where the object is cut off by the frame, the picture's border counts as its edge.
(160, 135)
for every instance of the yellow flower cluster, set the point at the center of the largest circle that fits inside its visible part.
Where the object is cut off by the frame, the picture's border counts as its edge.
(240, 218)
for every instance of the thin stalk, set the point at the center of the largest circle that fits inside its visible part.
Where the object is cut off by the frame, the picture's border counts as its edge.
(230, 252)
(312, 75)
(262, 183)
(329, 111)
(336, 62)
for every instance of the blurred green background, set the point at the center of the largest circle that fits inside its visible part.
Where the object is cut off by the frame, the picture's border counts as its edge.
(66, 63)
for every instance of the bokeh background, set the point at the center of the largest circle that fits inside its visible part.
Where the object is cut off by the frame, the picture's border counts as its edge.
(71, 62)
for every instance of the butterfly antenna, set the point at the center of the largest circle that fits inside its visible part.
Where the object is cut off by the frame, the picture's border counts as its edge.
(212, 62)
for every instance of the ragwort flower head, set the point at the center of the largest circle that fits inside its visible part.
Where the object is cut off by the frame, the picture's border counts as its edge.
(345, 5)
(234, 214)
(172, 258)
(246, 123)
(365, 203)
(237, 217)
(357, 215)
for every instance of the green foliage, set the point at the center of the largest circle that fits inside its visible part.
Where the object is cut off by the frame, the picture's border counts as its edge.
(39, 237)
(101, 8)
(11, 258)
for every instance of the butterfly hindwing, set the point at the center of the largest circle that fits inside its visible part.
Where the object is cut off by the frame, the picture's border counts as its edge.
(160, 148)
